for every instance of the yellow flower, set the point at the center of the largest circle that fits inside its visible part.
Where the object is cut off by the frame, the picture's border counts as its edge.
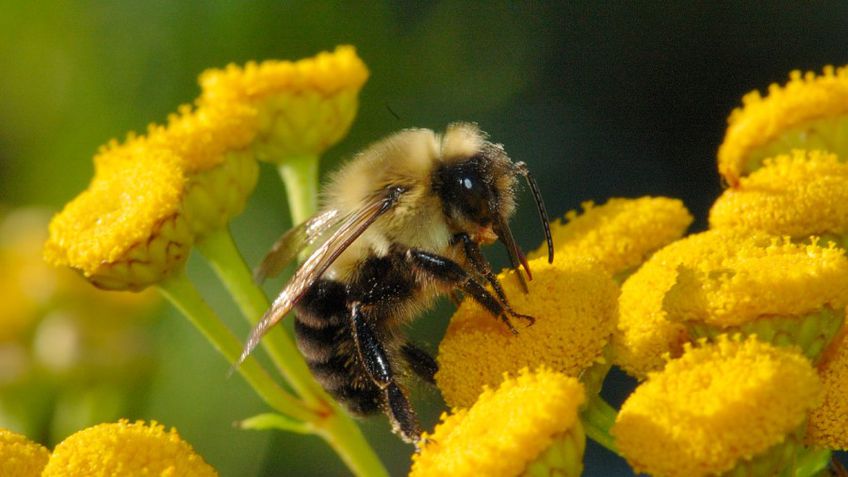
(799, 195)
(574, 304)
(20, 457)
(829, 421)
(126, 449)
(126, 231)
(645, 334)
(506, 430)
(620, 234)
(769, 289)
(809, 112)
(304, 106)
(718, 407)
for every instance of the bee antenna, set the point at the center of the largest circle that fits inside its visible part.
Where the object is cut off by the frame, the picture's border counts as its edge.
(521, 168)
(392, 111)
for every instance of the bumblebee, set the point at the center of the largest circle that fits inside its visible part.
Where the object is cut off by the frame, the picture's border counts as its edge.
(401, 224)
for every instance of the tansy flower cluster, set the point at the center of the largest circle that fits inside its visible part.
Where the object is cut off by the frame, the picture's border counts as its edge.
(736, 334)
(121, 448)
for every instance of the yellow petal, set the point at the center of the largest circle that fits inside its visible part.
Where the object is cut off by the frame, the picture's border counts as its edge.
(808, 112)
(19, 456)
(574, 304)
(716, 407)
(126, 449)
(505, 430)
(620, 234)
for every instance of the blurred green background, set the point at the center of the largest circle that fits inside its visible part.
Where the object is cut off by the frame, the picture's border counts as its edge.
(601, 99)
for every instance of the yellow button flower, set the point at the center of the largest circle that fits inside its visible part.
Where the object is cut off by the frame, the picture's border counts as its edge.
(620, 234)
(720, 406)
(829, 421)
(304, 106)
(766, 289)
(809, 112)
(799, 195)
(644, 332)
(126, 231)
(20, 457)
(529, 425)
(126, 449)
(574, 304)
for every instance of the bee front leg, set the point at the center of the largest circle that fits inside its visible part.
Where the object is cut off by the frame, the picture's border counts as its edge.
(373, 357)
(451, 273)
(420, 362)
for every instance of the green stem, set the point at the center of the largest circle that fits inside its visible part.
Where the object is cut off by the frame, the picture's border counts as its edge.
(345, 437)
(185, 297)
(598, 418)
(300, 175)
(812, 461)
(223, 256)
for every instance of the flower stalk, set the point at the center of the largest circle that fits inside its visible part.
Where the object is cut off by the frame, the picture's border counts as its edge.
(300, 176)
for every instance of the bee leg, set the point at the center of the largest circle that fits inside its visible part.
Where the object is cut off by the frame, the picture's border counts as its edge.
(478, 261)
(420, 362)
(451, 273)
(376, 362)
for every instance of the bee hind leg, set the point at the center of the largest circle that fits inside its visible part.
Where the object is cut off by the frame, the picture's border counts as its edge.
(420, 362)
(373, 357)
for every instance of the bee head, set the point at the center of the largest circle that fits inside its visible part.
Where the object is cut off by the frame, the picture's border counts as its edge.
(478, 197)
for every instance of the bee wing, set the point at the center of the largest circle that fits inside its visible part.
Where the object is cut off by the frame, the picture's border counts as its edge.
(317, 263)
(292, 242)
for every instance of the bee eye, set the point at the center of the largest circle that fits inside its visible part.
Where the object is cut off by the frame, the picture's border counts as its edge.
(464, 192)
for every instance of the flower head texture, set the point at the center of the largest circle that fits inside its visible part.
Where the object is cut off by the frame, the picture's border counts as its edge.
(506, 429)
(19, 456)
(574, 304)
(799, 195)
(644, 333)
(762, 282)
(809, 112)
(829, 421)
(716, 407)
(125, 231)
(126, 449)
(620, 234)
(304, 106)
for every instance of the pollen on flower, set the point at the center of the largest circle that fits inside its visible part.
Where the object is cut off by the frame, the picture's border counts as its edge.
(644, 333)
(202, 137)
(716, 407)
(809, 112)
(828, 422)
(758, 280)
(124, 448)
(799, 195)
(620, 234)
(505, 429)
(574, 304)
(19, 456)
(304, 106)
(125, 231)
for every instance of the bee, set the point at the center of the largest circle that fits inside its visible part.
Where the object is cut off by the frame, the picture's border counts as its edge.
(401, 224)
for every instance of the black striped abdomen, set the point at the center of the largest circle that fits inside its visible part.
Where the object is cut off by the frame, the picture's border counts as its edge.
(324, 338)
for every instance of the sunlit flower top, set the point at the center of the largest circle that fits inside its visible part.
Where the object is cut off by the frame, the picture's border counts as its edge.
(304, 106)
(829, 421)
(126, 449)
(202, 137)
(717, 405)
(20, 457)
(801, 194)
(574, 304)
(778, 279)
(125, 230)
(504, 430)
(644, 332)
(807, 113)
(620, 234)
